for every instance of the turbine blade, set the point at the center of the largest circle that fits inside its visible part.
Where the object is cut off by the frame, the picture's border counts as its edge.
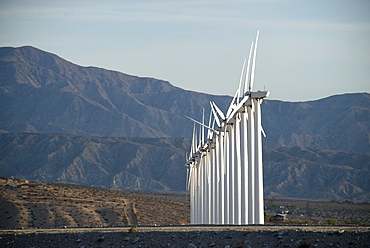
(219, 111)
(195, 140)
(263, 132)
(254, 63)
(247, 74)
(200, 136)
(192, 149)
(240, 80)
(200, 123)
(232, 104)
(215, 115)
(213, 126)
(236, 109)
(209, 133)
(203, 127)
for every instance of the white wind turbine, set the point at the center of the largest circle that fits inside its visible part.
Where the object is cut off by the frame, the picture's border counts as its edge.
(225, 171)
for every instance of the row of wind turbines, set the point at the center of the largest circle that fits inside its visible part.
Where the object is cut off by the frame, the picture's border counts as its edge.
(224, 171)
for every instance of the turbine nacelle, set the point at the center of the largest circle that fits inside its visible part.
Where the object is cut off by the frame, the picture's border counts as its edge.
(258, 95)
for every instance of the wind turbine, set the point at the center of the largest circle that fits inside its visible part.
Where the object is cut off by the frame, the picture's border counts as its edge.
(225, 170)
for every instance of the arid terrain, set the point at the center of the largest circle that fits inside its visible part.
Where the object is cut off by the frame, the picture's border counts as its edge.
(40, 205)
(36, 214)
(190, 237)
(318, 212)
(25, 204)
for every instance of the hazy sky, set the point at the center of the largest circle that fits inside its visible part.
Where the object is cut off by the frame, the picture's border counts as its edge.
(307, 49)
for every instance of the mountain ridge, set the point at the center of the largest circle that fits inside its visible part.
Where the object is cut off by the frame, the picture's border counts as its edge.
(43, 93)
(100, 127)
(69, 88)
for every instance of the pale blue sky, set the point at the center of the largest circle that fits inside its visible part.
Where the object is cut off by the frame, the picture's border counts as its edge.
(308, 49)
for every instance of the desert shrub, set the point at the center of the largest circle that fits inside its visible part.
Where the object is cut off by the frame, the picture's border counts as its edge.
(267, 217)
(348, 222)
(331, 221)
(353, 222)
(308, 222)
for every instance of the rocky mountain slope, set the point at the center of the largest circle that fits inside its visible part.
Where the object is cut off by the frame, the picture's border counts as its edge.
(340, 122)
(312, 173)
(315, 149)
(126, 163)
(40, 92)
(158, 164)
(43, 93)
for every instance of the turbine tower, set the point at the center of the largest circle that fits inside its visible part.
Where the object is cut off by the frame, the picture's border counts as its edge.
(225, 176)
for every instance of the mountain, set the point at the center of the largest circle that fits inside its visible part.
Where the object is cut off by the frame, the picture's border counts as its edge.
(43, 93)
(340, 122)
(158, 164)
(134, 163)
(312, 173)
(40, 92)
(64, 122)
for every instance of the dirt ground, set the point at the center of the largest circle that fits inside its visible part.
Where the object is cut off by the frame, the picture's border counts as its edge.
(64, 215)
(190, 236)
(39, 205)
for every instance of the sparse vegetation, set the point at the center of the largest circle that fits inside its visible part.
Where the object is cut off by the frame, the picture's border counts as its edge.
(331, 221)
(79, 206)
(353, 222)
(304, 212)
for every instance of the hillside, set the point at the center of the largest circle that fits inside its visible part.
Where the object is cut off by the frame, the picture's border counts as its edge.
(312, 173)
(64, 122)
(158, 164)
(26, 204)
(126, 163)
(43, 93)
(340, 122)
